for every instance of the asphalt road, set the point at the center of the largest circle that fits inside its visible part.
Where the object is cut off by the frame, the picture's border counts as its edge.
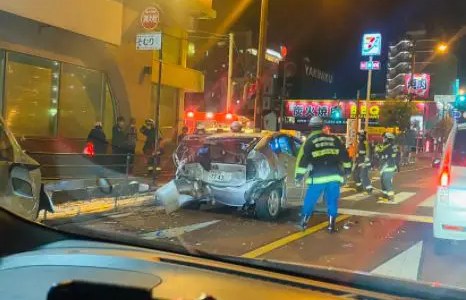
(389, 239)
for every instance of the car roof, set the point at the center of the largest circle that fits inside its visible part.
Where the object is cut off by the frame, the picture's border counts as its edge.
(239, 135)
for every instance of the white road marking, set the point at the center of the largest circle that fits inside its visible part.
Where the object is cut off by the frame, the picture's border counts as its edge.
(403, 266)
(429, 202)
(173, 232)
(366, 213)
(412, 170)
(400, 197)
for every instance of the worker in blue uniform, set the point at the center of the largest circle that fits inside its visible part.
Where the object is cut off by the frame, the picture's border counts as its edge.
(323, 162)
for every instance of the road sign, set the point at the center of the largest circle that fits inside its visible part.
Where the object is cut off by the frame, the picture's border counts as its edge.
(456, 114)
(150, 18)
(370, 65)
(371, 44)
(149, 41)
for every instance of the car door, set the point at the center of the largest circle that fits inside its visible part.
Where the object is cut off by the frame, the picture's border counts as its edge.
(288, 151)
(20, 180)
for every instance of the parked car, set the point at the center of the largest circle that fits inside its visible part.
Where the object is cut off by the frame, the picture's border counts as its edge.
(450, 205)
(254, 171)
(21, 190)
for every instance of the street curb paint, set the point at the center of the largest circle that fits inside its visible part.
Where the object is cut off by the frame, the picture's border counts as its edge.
(80, 208)
(290, 238)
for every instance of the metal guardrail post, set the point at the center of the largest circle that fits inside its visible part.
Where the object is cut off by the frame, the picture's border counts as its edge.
(128, 158)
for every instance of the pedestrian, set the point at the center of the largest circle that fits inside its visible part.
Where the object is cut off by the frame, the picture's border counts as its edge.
(325, 162)
(362, 165)
(119, 142)
(131, 138)
(388, 153)
(150, 132)
(184, 133)
(98, 139)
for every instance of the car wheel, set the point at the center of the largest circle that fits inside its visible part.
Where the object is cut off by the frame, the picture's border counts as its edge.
(441, 246)
(268, 206)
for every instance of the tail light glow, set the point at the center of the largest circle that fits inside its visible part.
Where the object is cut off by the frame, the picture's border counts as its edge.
(444, 178)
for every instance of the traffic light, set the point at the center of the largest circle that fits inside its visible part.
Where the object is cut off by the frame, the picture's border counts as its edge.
(336, 113)
(460, 101)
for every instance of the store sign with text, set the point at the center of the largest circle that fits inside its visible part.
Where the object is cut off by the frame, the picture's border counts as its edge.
(418, 85)
(324, 109)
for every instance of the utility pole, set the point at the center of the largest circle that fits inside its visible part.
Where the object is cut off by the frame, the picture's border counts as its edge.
(230, 72)
(260, 64)
(157, 111)
(368, 99)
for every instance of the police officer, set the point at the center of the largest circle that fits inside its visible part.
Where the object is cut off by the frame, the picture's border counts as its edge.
(388, 153)
(324, 159)
(362, 165)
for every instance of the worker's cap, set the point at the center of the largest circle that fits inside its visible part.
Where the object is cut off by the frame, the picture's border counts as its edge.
(362, 132)
(149, 121)
(316, 122)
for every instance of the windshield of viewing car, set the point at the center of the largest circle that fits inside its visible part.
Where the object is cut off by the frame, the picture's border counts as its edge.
(182, 122)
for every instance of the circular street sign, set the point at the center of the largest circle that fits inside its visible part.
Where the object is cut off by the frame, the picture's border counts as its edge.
(150, 18)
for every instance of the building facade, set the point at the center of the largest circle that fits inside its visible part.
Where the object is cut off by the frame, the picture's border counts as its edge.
(66, 64)
(434, 73)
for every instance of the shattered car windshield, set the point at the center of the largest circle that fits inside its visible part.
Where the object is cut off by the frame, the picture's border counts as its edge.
(309, 132)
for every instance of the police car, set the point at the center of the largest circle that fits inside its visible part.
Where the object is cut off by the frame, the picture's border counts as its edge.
(450, 204)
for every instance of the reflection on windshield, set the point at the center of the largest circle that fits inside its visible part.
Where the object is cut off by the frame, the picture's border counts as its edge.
(311, 143)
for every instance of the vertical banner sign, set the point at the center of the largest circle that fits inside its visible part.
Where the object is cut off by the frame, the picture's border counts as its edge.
(371, 44)
(420, 85)
(351, 131)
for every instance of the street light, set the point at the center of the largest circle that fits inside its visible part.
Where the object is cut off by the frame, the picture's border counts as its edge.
(442, 48)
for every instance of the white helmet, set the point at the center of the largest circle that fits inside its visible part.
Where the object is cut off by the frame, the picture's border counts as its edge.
(389, 136)
(316, 122)
(236, 126)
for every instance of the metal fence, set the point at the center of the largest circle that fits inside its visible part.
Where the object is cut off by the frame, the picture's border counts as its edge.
(78, 166)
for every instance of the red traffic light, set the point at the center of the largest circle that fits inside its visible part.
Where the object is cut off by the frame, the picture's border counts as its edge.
(283, 51)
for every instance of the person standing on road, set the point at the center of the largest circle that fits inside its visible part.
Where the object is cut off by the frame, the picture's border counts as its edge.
(98, 139)
(150, 132)
(362, 165)
(324, 159)
(119, 143)
(388, 153)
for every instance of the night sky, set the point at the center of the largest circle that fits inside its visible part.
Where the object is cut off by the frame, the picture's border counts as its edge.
(329, 31)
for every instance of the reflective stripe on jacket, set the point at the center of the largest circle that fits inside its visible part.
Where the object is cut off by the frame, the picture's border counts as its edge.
(323, 157)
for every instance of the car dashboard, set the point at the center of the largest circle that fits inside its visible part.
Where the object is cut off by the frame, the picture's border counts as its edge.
(38, 260)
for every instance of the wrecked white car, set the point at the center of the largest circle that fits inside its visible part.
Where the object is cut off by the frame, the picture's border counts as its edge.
(250, 171)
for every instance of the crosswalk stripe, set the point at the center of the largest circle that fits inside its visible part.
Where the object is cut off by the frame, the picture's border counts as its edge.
(404, 265)
(365, 213)
(400, 197)
(429, 202)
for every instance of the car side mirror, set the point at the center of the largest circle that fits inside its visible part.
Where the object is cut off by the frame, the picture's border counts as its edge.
(22, 187)
(104, 185)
